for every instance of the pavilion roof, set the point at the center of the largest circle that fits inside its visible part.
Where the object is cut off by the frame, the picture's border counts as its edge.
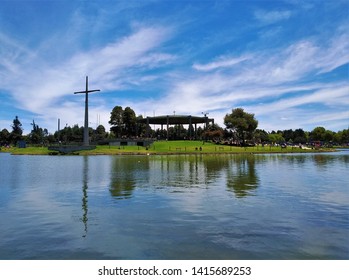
(175, 119)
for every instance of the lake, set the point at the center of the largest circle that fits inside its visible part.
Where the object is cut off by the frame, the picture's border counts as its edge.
(279, 206)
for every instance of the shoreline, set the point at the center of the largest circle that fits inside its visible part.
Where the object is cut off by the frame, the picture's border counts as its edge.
(169, 153)
(180, 147)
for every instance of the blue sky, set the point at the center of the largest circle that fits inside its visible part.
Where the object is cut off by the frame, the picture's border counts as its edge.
(285, 61)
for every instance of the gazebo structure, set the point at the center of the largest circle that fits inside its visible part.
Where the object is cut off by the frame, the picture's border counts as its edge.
(176, 120)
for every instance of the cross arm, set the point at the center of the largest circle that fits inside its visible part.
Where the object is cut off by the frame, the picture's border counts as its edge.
(88, 91)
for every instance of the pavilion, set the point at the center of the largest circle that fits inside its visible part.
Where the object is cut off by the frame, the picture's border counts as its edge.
(176, 120)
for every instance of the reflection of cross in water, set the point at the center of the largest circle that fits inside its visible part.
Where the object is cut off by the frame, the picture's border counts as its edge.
(86, 91)
(84, 206)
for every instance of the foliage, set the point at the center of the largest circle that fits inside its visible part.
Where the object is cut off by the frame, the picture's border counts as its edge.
(4, 137)
(130, 122)
(241, 123)
(276, 138)
(239, 126)
(123, 122)
(37, 135)
(116, 120)
(213, 132)
(321, 134)
(99, 134)
(261, 136)
(142, 128)
(17, 131)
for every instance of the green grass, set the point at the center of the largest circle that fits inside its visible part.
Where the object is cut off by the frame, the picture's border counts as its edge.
(165, 147)
(26, 151)
(207, 147)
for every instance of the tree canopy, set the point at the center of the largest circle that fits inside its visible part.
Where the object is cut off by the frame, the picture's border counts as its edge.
(123, 121)
(17, 131)
(241, 123)
(116, 120)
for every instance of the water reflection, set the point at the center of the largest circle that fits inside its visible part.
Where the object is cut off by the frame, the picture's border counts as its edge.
(198, 202)
(242, 177)
(179, 173)
(182, 174)
(84, 200)
(125, 173)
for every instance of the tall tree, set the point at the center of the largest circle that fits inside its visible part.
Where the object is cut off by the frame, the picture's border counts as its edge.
(37, 134)
(130, 121)
(17, 131)
(116, 120)
(242, 124)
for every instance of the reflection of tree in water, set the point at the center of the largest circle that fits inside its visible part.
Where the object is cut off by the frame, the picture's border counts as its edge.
(215, 164)
(182, 172)
(323, 161)
(241, 177)
(190, 171)
(126, 171)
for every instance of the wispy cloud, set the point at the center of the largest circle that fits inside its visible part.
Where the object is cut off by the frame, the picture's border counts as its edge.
(222, 62)
(170, 68)
(269, 17)
(275, 82)
(38, 86)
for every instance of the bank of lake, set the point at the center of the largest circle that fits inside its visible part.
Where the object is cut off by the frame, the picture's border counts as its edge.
(168, 148)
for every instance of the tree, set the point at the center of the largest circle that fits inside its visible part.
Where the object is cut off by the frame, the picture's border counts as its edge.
(70, 134)
(328, 137)
(288, 135)
(276, 138)
(17, 131)
(142, 128)
(4, 137)
(299, 136)
(344, 136)
(213, 132)
(116, 120)
(318, 134)
(100, 133)
(261, 136)
(37, 134)
(130, 121)
(242, 124)
(77, 133)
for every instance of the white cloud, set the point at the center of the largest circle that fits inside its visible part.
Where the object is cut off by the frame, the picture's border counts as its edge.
(38, 86)
(280, 84)
(269, 17)
(275, 81)
(222, 62)
(338, 56)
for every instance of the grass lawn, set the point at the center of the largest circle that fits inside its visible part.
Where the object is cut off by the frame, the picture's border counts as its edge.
(208, 147)
(26, 151)
(165, 147)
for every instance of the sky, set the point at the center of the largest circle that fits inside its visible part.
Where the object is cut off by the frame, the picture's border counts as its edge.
(286, 61)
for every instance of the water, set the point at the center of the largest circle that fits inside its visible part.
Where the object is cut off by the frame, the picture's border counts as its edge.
(175, 207)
